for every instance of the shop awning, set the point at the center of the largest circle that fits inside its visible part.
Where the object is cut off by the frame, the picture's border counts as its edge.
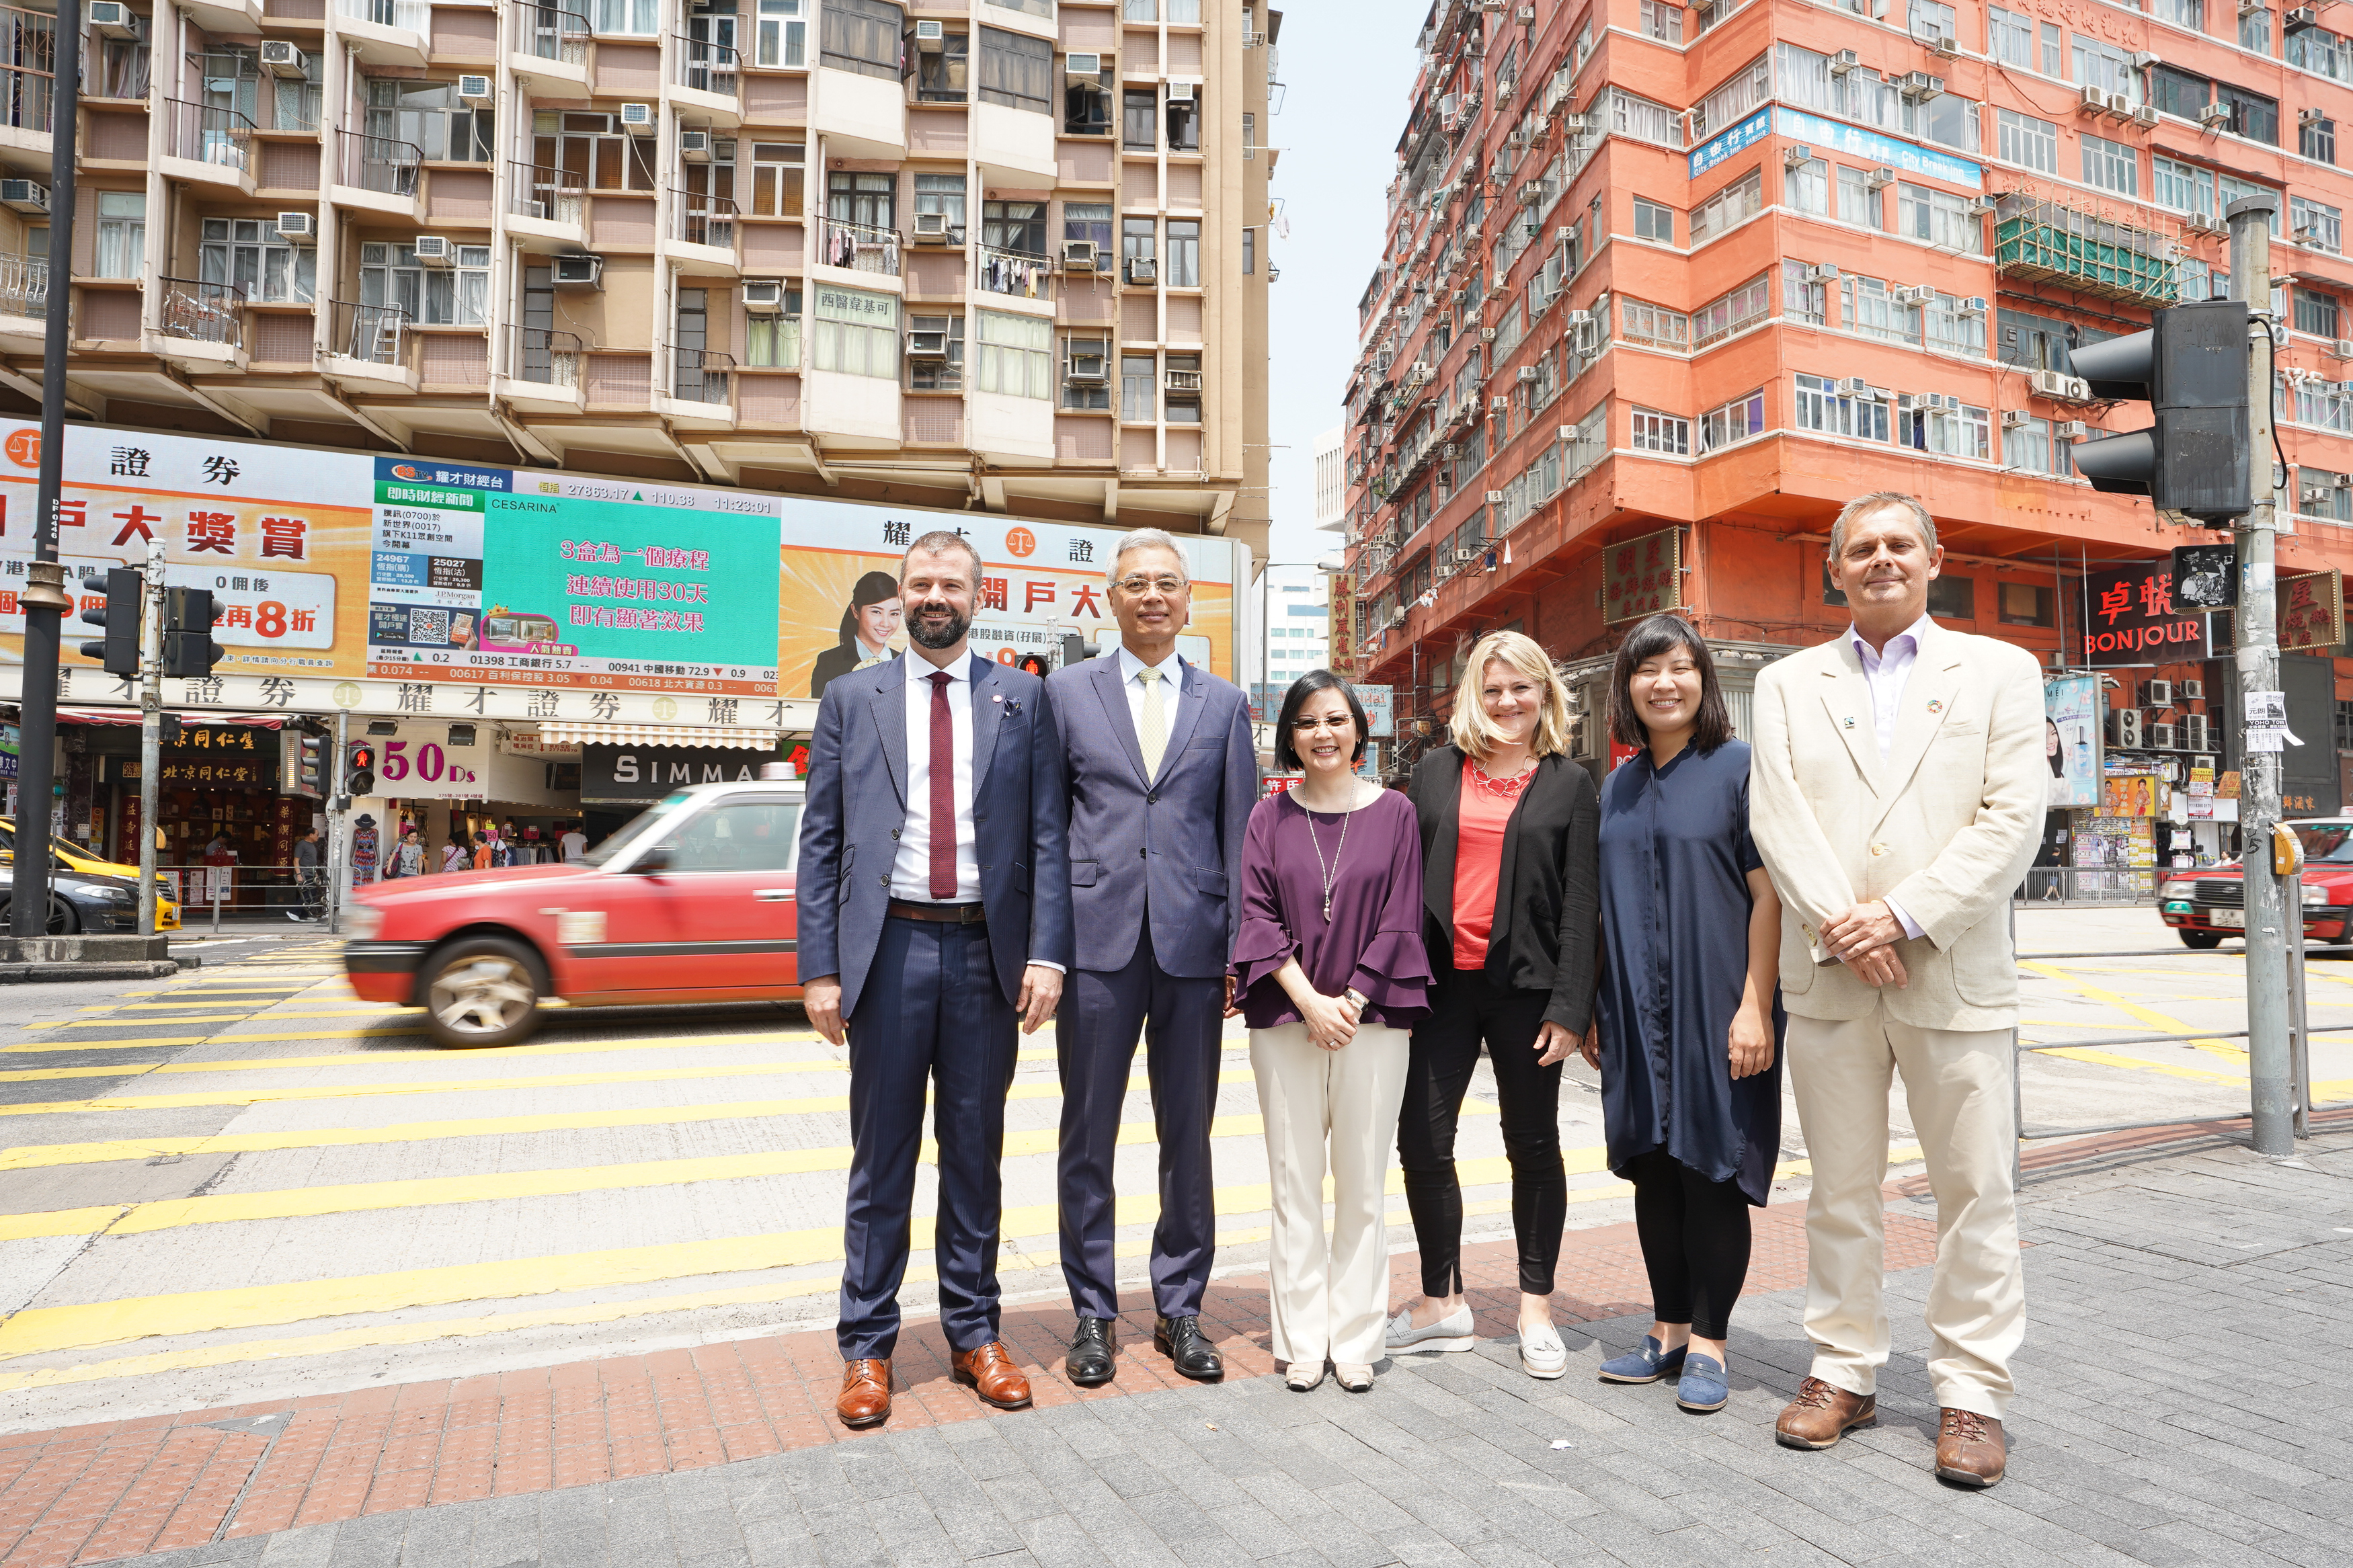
(130, 716)
(560, 735)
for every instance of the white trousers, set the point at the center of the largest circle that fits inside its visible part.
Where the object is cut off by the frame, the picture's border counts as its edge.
(1957, 1083)
(1331, 1296)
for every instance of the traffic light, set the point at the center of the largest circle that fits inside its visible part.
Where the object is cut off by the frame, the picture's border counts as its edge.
(119, 649)
(2191, 367)
(359, 769)
(189, 650)
(309, 760)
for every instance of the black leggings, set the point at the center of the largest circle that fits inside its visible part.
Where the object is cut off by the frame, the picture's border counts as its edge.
(1465, 1008)
(1694, 1242)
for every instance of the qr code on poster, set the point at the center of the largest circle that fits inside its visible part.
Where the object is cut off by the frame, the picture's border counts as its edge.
(426, 626)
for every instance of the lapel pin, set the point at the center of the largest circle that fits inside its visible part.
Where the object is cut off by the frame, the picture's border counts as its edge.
(997, 697)
(1850, 723)
(1936, 707)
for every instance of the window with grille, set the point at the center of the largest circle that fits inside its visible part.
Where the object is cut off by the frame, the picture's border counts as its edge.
(1730, 312)
(1653, 326)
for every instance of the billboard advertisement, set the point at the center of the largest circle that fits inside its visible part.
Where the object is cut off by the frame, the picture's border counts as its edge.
(2071, 740)
(407, 585)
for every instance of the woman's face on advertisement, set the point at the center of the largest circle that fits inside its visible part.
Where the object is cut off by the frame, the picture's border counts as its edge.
(2049, 738)
(878, 624)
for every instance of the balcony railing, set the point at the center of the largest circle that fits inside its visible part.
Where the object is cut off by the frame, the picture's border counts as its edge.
(379, 162)
(702, 375)
(27, 68)
(859, 247)
(544, 355)
(204, 312)
(205, 133)
(416, 16)
(554, 195)
(552, 32)
(372, 334)
(701, 219)
(707, 67)
(24, 287)
(1019, 272)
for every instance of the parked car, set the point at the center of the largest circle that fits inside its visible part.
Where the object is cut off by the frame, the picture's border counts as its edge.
(2211, 904)
(692, 901)
(77, 858)
(83, 905)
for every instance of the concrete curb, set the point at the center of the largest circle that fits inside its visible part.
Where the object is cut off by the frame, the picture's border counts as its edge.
(42, 974)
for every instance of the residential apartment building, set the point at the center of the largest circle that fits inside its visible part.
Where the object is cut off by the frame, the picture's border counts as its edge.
(1663, 288)
(1298, 624)
(995, 253)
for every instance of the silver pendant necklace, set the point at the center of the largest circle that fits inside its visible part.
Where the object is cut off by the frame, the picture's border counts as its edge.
(1331, 872)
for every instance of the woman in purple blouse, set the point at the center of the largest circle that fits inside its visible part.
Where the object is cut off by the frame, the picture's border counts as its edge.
(1330, 972)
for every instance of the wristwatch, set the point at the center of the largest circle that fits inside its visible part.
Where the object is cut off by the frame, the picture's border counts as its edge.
(1356, 999)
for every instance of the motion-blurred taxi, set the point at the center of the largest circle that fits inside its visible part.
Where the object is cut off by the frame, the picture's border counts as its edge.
(2211, 904)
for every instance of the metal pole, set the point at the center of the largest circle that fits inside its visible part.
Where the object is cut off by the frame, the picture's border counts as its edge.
(44, 598)
(2299, 1021)
(216, 875)
(2255, 634)
(338, 853)
(150, 729)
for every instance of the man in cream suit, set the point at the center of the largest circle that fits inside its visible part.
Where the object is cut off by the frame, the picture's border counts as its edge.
(1897, 800)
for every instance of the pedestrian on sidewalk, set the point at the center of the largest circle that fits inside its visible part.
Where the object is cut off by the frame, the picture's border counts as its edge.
(1330, 972)
(1161, 766)
(935, 919)
(1688, 1037)
(1897, 794)
(1506, 822)
(457, 855)
(310, 887)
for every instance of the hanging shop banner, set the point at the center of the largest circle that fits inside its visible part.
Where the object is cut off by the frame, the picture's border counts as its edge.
(2071, 740)
(2129, 617)
(2311, 611)
(1643, 576)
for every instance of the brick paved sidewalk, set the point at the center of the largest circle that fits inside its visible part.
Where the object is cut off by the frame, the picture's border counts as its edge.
(2146, 1432)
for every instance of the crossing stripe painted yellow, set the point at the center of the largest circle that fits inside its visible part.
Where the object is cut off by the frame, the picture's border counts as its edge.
(265, 1064)
(2228, 1051)
(2114, 1060)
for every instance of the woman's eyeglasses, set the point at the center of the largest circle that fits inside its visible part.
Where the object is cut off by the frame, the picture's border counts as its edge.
(1309, 726)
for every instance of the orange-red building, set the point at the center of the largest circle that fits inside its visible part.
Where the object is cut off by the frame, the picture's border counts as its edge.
(1702, 275)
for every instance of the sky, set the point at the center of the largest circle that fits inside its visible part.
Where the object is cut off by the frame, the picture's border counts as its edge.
(1345, 67)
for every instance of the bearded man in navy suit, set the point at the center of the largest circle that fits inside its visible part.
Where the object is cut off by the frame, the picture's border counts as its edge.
(1161, 769)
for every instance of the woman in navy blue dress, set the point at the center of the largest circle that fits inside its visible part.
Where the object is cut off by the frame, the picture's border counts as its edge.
(1689, 1026)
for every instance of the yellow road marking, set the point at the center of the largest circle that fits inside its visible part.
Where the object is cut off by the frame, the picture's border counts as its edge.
(2232, 1054)
(264, 1064)
(2110, 1058)
(45, 1048)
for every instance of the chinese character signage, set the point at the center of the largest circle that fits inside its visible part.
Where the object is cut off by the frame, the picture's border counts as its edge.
(2311, 611)
(2129, 617)
(1643, 576)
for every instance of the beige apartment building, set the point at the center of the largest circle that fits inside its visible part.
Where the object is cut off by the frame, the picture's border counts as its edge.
(955, 252)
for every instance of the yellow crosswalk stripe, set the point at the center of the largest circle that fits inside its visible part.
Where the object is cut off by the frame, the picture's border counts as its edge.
(265, 1064)
(49, 1048)
(2225, 1049)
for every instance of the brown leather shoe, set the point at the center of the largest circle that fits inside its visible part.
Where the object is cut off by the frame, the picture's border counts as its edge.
(992, 1375)
(1821, 1414)
(1971, 1448)
(865, 1398)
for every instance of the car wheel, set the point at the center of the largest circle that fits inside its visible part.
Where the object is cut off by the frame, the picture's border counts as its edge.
(2202, 939)
(63, 922)
(482, 990)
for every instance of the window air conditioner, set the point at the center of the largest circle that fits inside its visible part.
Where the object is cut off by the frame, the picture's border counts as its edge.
(2124, 729)
(1918, 86)
(1531, 193)
(931, 228)
(2303, 18)
(1526, 16)
(2214, 116)
(1945, 47)
(931, 37)
(2161, 736)
(1087, 66)
(2308, 231)
(1527, 375)
(281, 58)
(1494, 498)
(1796, 155)
(927, 345)
(2093, 101)
(1575, 319)
(2343, 348)
(637, 119)
(1499, 405)
(2119, 106)
(1920, 294)
(1844, 61)
(1142, 269)
(24, 195)
(2014, 418)
(112, 19)
(1079, 256)
(2071, 429)
(298, 225)
(2060, 385)
(1180, 91)
(1821, 272)
(2193, 691)
(2196, 730)
(578, 271)
(1573, 124)
(1180, 380)
(694, 147)
(1486, 334)
(1465, 557)
(1854, 386)
(474, 86)
(764, 297)
(2146, 117)
(1088, 369)
(1879, 179)
(1975, 305)
(433, 250)
(2156, 693)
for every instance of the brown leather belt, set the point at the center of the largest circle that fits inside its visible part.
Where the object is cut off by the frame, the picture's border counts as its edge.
(942, 914)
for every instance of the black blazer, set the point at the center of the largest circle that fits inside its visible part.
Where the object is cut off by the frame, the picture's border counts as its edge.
(1548, 890)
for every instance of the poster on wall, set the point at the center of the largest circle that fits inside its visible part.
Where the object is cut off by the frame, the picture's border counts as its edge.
(2071, 740)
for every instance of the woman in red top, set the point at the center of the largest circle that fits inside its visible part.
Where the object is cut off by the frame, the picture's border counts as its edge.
(1509, 826)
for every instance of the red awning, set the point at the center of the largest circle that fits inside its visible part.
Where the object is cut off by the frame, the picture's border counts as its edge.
(130, 716)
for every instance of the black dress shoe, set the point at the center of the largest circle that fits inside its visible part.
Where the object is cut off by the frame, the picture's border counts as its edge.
(1188, 1348)
(1090, 1363)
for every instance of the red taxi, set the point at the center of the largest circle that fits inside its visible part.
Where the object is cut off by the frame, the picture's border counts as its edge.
(2211, 904)
(692, 901)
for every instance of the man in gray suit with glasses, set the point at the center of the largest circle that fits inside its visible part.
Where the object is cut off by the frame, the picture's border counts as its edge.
(1161, 769)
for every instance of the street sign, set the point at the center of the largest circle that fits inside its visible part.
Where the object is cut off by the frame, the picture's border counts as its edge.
(2130, 618)
(2311, 611)
(1643, 576)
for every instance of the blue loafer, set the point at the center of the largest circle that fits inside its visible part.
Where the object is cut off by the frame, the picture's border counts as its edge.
(1703, 1388)
(1644, 1365)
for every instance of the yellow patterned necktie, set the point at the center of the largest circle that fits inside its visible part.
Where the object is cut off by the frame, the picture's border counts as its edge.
(1153, 731)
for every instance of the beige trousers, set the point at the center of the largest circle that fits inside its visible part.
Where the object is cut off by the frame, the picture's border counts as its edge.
(1957, 1083)
(1331, 1296)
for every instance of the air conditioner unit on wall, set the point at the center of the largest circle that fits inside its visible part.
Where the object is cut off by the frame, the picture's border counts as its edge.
(1086, 66)
(931, 228)
(2156, 693)
(2193, 691)
(2197, 731)
(2058, 384)
(578, 271)
(474, 86)
(1796, 155)
(2124, 729)
(113, 19)
(1088, 369)
(932, 34)
(1181, 91)
(695, 146)
(764, 297)
(927, 345)
(2160, 736)
(24, 195)
(298, 225)
(637, 119)
(434, 250)
(281, 57)
(1079, 256)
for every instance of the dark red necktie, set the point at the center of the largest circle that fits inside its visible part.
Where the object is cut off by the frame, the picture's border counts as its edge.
(943, 841)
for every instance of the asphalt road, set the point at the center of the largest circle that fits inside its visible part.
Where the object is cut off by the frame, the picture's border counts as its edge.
(245, 1184)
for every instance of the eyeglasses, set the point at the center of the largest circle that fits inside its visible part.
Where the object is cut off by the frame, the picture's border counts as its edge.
(1138, 584)
(1309, 726)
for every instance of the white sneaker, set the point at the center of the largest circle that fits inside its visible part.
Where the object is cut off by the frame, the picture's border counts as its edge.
(1541, 1352)
(1453, 1332)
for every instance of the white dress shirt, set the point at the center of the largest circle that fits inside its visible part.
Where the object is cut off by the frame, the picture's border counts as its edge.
(910, 873)
(1172, 689)
(1887, 671)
